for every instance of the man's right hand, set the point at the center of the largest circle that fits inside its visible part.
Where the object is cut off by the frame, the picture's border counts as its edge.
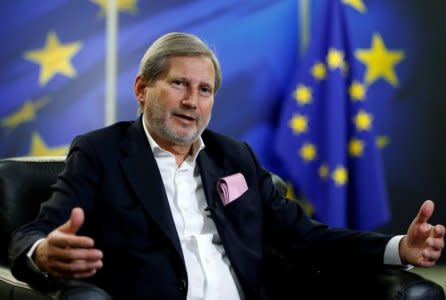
(64, 254)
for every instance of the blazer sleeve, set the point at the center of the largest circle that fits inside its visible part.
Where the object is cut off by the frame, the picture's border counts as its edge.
(288, 230)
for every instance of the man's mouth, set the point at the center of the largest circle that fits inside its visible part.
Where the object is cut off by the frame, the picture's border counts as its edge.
(187, 118)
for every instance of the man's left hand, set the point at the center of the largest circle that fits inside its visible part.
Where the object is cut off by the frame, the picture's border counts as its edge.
(423, 244)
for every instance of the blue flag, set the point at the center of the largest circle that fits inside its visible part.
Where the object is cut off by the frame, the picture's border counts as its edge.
(52, 84)
(325, 137)
(52, 81)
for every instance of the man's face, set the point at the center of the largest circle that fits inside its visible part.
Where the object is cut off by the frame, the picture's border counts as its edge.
(177, 106)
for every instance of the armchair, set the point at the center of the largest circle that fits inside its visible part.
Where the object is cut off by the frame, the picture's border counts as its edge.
(24, 184)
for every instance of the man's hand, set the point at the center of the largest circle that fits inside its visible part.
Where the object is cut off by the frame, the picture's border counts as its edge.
(63, 254)
(423, 244)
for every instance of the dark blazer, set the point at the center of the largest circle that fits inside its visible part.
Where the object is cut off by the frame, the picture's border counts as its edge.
(112, 174)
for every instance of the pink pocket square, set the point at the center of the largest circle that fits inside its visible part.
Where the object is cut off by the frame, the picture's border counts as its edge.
(231, 187)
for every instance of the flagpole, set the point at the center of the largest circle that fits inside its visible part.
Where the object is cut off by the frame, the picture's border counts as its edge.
(304, 24)
(111, 62)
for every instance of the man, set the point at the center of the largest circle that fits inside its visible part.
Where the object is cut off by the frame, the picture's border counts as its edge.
(162, 208)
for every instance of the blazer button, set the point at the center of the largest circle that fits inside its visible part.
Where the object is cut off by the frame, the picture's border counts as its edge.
(182, 285)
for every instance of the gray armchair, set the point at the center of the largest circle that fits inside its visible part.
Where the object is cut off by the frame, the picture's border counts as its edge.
(25, 182)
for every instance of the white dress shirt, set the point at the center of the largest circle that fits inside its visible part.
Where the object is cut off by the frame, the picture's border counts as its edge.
(210, 275)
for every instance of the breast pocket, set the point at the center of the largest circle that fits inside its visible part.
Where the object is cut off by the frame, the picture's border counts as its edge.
(244, 213)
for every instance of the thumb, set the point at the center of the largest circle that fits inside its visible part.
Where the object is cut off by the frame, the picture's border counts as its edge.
(75, 222)
(425, 212)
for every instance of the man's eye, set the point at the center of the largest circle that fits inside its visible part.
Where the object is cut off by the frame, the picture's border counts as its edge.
(178, 82)
(206, 90)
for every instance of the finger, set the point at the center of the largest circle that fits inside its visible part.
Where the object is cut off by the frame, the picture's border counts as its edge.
(436, 245)
(427, 263)
(431, 255)
(70, 254)
(84, 274)
(425, 212)
(74, 223)
(77, 275)
(438, 231)
(77, 266)
(69, 241)
(75, 269)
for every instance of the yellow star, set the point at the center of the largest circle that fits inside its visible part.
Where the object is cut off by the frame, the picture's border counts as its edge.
(39, 148)
(319, 71)
(308, 152)
(382, 141)
(54, 58)
(302, 94)
(363, 120)
(357, 91)
(356, 147)
(340, 176)
(323, 171)
(128, 6)
(356, 4)
(299, 123)
(379, 61)
(26, 113)
(335, 59)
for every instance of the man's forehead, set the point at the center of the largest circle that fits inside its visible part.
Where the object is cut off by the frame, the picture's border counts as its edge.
(188, 60)
(198, 65)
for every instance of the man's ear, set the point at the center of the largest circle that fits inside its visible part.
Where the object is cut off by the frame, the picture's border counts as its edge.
(139, 88)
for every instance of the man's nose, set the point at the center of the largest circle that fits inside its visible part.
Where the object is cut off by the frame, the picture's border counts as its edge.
(190, 100)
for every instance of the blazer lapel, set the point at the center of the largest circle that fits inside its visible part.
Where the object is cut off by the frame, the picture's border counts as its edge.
(142, 172)
(210, 172)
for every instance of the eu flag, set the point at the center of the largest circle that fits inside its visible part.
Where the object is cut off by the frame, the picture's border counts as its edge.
(325, 137)
(52, 80)
(53, 57)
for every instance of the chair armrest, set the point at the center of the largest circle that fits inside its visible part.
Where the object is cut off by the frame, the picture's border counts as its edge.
(298, 280)
(396, 283)
(386, 283)
(13, 289)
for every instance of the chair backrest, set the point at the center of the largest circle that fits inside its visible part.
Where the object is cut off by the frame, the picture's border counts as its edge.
(24, 184)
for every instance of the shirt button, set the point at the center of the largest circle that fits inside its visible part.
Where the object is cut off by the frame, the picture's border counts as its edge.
(182, 285)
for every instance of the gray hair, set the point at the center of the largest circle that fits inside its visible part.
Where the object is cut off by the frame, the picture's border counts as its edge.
(154, 61)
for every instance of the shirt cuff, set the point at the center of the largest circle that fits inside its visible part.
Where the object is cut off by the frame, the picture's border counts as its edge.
(31, 264)
(392, 252)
